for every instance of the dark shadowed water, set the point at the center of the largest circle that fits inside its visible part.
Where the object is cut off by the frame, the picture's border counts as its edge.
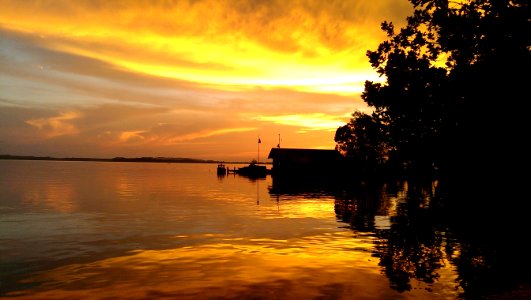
(91, 230)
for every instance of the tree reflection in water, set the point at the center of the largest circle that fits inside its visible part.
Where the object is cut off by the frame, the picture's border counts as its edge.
(426, 232)
(412, 245)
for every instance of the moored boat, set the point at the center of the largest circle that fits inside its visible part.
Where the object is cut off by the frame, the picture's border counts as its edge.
(253, 170)
(222, 169)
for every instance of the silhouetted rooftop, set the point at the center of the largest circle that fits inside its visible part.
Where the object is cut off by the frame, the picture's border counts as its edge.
(275, 152)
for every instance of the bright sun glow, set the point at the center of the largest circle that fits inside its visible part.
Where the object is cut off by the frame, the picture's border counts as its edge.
(99, 79)
(309, 122)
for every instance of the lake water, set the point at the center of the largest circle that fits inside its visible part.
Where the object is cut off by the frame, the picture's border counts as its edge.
(92, 230)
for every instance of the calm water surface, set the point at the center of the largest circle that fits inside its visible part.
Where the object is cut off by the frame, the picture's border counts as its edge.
(71, 230)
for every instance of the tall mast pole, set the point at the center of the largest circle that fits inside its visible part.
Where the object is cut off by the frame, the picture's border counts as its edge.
(258, 156)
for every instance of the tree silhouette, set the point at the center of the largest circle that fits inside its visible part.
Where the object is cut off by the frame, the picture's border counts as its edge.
(448, 72)
(363, 140)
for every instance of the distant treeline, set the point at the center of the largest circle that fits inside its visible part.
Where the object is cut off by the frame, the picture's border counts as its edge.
(162, 159)
(115, 159)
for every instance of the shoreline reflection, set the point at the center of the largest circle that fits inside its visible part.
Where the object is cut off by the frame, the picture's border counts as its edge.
(176, 230)
(419, 237)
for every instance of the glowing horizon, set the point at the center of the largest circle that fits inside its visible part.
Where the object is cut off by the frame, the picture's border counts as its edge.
(102, 78)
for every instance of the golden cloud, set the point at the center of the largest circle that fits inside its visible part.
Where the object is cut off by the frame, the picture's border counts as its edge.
(57, 126)
(132, 136)
(304, 45)
(214, 72)
(208, 133)
(307, 122)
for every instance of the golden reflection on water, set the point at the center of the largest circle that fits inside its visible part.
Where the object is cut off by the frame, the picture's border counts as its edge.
(330, 265)
(58, 197)
(229, 268)
(127, 190)
(166, 231)
(321, 208)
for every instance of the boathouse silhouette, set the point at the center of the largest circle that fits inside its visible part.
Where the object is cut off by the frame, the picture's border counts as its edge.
(295, 161)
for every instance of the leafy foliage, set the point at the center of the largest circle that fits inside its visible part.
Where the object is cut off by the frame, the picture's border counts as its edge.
(446, 73)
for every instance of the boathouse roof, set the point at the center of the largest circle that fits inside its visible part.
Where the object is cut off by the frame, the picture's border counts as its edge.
(294, 152)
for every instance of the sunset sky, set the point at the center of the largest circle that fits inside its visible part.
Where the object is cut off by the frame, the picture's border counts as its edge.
(199, 79)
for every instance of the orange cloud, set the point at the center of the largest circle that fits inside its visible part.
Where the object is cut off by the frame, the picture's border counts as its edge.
(160, 78)
(56, 126)
(154, 137)
(207, 133)
(303, 45)
(131, 136)
(307, 122)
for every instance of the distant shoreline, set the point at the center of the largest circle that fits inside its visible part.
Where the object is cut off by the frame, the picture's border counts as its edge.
(120, 159)
(115, 159)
